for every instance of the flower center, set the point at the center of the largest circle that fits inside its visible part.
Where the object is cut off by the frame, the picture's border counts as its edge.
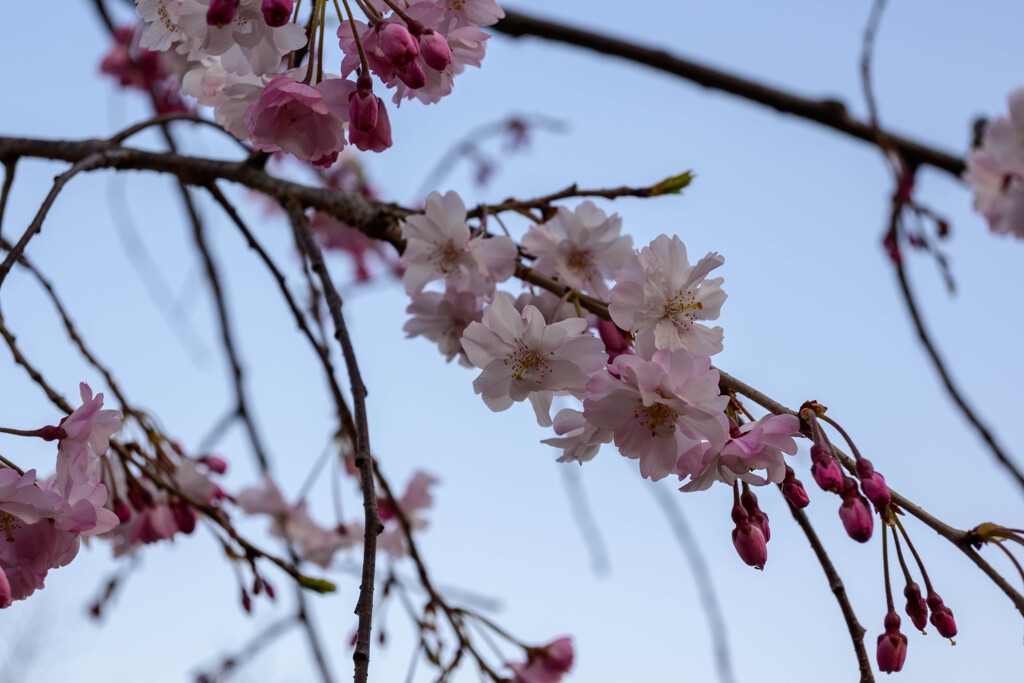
(682, 308)
(527, 363)
(658, 418)
(580, 262)
(8, 523)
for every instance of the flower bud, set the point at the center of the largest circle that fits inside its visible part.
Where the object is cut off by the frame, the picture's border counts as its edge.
(221, 12)
(757, 516)
(277, 12)
(794, 490)
(750, 544)
(942, 616)
(855, 512)
(873, 484)
(435, 50)
(362, 111)
(397, 44)
(121, 509)
(892, 645)
(412, 75)
(825, 469)
(215, 463)
(917, 608)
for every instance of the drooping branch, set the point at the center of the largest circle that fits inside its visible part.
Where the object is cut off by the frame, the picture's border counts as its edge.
(827, 112)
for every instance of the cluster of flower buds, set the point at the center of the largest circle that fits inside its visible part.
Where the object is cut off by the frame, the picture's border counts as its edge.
(137, 68)
(996, 171)
(241, 60)
(752, 533)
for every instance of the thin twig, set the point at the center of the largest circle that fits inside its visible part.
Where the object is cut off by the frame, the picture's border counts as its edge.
(363, 459)
(9, 166)
(828, 113)
(839, 591)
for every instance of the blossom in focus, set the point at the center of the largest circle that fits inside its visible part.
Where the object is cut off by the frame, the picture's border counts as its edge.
(305, 121)
(582, 248)
(658, 409)
(521, 355)
(757, 445)
(996, 171)
(892, 645)
(439, 246)
(88, 427)
(660, 298)
(547, 664)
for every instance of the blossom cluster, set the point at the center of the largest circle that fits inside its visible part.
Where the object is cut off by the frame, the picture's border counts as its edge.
(996, 171)
(644, 380)
(241, 59)
(42, 522)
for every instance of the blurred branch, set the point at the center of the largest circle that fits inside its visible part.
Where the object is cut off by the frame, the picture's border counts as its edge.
(829, 113)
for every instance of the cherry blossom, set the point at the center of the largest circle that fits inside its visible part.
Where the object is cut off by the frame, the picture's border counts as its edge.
(547, 664)
(659, 297)
(443, 318)
(582, 248)
(439, 245)
(88, 427)
(757, 445)
(579, 440)
(658, 409)
(521, 355)
(996, 171)
(414, 501)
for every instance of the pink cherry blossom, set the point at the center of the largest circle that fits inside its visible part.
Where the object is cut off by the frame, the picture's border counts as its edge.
(416, 498)
(88, 427)
(547, 664)
(659, 297)
(521, 355)
(439, 246)
(757, 445)
(443, 318)
(304, 121)
(996, 171)
(579, 440)
(658, 409)
(582, 248)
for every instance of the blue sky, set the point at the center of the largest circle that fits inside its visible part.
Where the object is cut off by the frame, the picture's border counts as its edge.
(813, 312)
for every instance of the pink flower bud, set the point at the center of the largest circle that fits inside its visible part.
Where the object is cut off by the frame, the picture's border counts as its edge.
(246, 601)
(614, 343)
(435, 50)
(221, 12)
(856, 514)
(184, 516)
(121, 509)
(397, 44)
(362, 111)
(215, 463)
(412, 75)
(825, 469)
(892, 645)
(873, 484)
(794, 490)
(942, 616)
(917, 608)
(750, 544)
(277, 12)
(757, 516)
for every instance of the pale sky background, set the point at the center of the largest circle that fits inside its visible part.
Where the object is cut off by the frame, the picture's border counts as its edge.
(813, 312)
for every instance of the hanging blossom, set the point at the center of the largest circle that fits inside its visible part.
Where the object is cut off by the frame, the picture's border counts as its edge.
(413, 502)
(42, 522)
(522, 356)
(658, 409)
(753, 446)
(439, 246)
(292, 523)
(546, 664)
(579, 440)
(660, 297)
(443, 318)
(996, 171)
(582, 248)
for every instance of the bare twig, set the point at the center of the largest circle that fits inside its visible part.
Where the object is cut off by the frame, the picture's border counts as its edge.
(363, 459)
(828, 113)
